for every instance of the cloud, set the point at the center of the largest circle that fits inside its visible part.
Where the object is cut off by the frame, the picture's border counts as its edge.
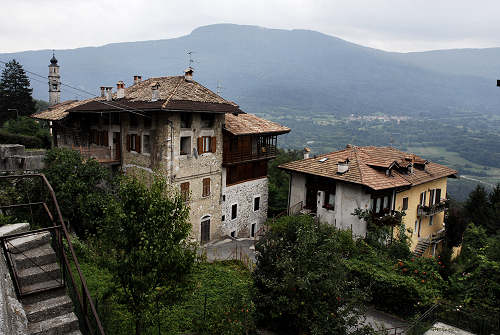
(399, 25)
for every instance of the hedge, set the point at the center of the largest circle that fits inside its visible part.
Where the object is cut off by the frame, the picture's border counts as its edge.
(27, 141)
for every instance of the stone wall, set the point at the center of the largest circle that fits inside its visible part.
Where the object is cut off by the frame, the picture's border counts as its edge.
(243, 195)
(12, 315)
(13, 157)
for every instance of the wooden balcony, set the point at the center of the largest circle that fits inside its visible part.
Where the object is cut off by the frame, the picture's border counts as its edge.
(230, 158)
(100, 153)
(432, 209)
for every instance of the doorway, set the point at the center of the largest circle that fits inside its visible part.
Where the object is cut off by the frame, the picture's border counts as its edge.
(205, 229)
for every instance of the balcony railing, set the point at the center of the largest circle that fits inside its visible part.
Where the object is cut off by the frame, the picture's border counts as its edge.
(432, 209)
(239, 157)
(99, 153)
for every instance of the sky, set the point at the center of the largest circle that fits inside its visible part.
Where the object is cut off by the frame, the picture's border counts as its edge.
(392, 25)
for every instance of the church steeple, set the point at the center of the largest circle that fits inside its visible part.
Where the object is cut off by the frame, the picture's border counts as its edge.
(54, 82)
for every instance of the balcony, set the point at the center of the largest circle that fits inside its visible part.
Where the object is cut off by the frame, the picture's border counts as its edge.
(268, 152)
(432, 209)
(100, 153)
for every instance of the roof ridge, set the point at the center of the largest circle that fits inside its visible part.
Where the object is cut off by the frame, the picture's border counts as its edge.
(173, 92)
(354, 149)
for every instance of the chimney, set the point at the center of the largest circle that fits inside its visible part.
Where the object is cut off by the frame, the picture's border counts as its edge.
(188, 74)
(103, 94)
(306, 152)
(108, 91)
(137, 79)
(120, 90)
(343, 167)
(155, 93)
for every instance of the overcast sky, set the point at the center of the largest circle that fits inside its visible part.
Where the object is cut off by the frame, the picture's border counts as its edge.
(395, 25)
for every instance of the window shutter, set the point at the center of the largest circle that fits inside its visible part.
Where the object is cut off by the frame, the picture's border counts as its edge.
(438, 195)
(206, 187)
(128, 142)
(214, 144)
(138, 143)
(106, 138)
(200, 145)
(185, 190)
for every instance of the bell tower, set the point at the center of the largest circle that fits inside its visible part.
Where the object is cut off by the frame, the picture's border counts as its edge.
(54, 82)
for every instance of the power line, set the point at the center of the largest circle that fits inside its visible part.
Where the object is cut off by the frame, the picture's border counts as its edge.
(115, 105)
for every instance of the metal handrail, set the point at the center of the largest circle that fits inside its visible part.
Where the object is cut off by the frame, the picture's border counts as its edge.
(85, 297)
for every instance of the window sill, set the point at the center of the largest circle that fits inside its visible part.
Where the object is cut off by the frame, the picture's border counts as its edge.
(329, 208)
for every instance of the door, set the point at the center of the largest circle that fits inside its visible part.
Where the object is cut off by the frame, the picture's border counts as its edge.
(311, 197)
(205, 230)
(419, 224)
(116, 146)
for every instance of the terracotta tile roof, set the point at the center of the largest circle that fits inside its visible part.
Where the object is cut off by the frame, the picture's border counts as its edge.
(245, 124)
(59, 111)
(368, 166)
(174, 93)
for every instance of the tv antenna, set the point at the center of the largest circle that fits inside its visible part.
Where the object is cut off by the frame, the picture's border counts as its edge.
(219, 88)
(191, 61)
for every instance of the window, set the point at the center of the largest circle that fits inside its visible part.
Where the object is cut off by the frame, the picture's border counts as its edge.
(431, 197)
(381, 204)
(206, 144)
(233, 233)
(207, 120)
(252, 231)
(185, 190)
(234, 211)
(206, 187)
(133, 143)
(205, 229)
(431, 220)
(186, 119)
(422, 198)
(329, 201)
(147, 122)
(256, 203)
(223, 197)
(185, 145)
(146, 144)
(438, 195)
(223, 218)
(405, 203)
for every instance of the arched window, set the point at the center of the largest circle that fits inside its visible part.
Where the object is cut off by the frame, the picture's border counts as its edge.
(205, 229)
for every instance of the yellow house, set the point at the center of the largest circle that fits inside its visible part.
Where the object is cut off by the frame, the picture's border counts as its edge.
(382, 179)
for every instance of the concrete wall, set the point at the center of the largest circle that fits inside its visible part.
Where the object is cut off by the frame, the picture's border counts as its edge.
(413, 195)
(243, 194)
(348, 197)
(12, 315)
(297, 190)
(13, 157)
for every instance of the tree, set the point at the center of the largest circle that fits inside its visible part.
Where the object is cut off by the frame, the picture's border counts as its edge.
(301, 279)
(477, 208)
(15, 94)
(144, 238)
(79, 187)
(455, 225)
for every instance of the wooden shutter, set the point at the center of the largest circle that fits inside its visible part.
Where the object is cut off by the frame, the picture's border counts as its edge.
(138, 143)
(185, 190)
(128, 142)
(105, 138)
(200, 145)
(431, 196)
(206, 187)
(214, 144)
(438, 195)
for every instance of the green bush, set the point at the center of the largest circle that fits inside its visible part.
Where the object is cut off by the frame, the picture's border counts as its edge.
(28, 141)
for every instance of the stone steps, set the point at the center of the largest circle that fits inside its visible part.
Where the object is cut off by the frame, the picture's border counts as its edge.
(47, 309)
(421, 247)
(39, 273)
(41, 255)
(61, 324)
(21, 244)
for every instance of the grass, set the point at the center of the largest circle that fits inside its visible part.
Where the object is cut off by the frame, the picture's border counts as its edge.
(218, 300)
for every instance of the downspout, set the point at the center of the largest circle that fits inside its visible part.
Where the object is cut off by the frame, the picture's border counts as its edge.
(171, 150)
(289, 192)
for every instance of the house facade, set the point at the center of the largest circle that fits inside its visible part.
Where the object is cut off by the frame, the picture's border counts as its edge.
(171, 126)
(382, 179)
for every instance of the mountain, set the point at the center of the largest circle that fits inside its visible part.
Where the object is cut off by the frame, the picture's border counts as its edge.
(286, 72)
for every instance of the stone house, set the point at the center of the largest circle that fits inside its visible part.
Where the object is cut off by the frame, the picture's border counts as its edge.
(172, 126)
(382, 179)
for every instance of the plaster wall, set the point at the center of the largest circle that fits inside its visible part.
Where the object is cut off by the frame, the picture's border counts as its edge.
(411, 220)
(348, 197)
(298, 189)
(243, 194)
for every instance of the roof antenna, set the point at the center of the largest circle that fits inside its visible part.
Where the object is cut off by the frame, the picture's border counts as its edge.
(191, 61)
(219, 88)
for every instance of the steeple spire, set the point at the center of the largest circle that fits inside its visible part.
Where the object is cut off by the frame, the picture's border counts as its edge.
(54, 81)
